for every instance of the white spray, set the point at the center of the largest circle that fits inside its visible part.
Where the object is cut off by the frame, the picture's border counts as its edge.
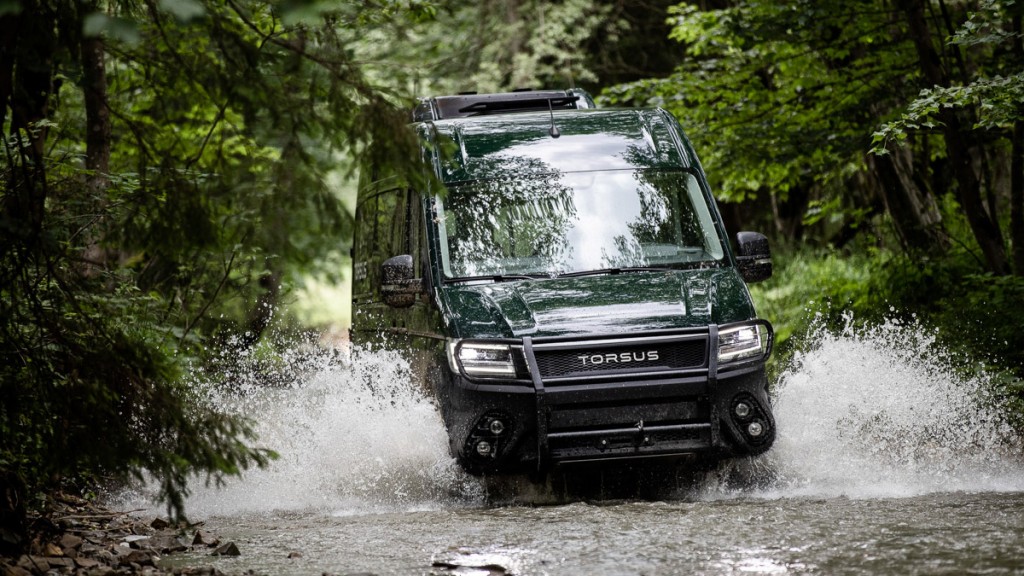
(883, 412)
(869, 412)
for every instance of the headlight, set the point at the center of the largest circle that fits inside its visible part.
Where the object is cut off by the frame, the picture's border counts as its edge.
(739, 342)
(488, 360)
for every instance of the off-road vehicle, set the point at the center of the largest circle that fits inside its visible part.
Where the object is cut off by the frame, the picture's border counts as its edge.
(567, 293)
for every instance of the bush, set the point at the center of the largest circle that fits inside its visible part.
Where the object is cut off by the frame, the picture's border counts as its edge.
(91, 384)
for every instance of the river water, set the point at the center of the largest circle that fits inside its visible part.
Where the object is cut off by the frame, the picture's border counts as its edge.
(887, 462)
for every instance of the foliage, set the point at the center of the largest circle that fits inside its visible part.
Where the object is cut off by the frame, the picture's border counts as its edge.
(995, 92)
(786, 100)
(777, 95)
(497, 45)
(968, 311)
(170, 164)
(91, 386)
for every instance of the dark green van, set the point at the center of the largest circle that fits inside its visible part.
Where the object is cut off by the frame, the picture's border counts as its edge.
(569, 293)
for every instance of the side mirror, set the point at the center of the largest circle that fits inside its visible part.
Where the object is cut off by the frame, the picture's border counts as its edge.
(755, 257)
(398, 288)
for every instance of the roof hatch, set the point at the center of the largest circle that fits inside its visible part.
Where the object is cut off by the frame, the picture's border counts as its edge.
(462, 105)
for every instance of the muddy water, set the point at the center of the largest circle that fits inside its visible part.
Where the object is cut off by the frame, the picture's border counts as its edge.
(887, 462)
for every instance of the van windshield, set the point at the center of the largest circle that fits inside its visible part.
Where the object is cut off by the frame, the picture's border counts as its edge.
(564, 223)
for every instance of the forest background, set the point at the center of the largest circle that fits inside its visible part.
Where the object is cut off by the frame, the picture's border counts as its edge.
(179, 178)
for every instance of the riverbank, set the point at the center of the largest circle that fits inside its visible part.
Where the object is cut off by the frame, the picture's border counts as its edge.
(77, 537)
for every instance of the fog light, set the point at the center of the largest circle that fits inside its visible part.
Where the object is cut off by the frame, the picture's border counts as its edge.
(483, 448)
(755, 429)
(742, 410)
(496, 427)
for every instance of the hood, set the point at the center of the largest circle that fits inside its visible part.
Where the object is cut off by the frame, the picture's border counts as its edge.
(602, 304)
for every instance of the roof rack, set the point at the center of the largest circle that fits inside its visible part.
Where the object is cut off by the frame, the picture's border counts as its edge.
(463, 105)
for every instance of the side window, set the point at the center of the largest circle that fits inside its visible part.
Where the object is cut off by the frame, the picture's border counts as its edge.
(387, 224)
(362, 243)
(397, 228)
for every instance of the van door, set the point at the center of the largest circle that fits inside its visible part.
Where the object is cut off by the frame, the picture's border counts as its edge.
(390, 222)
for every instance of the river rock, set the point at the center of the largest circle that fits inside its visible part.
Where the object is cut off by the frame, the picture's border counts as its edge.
(70, 542)
(82, 562)
(203, 538)
(8, 570)
(229, 549)
(200, 571)
(140, 557)
(160, 543)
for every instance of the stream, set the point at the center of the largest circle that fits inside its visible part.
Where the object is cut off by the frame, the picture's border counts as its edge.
(888, 461)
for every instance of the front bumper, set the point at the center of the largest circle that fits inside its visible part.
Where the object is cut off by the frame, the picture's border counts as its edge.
(684, 405)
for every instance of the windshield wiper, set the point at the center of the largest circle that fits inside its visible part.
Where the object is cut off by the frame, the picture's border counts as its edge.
(601, 271)
(496, 278)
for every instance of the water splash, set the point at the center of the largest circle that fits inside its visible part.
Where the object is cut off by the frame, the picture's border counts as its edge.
(882, 411)
(862, 412)
(353, 436)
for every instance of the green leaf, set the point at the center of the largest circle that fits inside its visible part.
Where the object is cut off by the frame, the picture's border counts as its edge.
(10, 7)
(183, 10)
(98, 24)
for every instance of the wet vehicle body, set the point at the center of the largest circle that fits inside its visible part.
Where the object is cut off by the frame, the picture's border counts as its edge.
(565, 288)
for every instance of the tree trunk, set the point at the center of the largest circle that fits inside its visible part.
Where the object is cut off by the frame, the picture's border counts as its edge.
(31, 85)
(1017, 172)
(958, 142)
(1017, 198)
(97, 113)
(97, 145)
(912, 208)
(8, 33)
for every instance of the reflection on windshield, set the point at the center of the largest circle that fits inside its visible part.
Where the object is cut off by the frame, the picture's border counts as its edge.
(560, 223)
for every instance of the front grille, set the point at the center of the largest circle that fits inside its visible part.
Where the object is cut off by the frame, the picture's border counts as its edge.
(618, 358)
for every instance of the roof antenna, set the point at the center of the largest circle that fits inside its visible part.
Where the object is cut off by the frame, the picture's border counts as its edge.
(554, 129)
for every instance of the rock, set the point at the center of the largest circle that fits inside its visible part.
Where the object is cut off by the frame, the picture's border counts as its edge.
(295, 554)
(103, 543)
(167, 544)
(229, 549)
(140, 557)
(203, 538)
(200, 571)
(33, 563)
(87, 562)
(70, 542)
(160, 543)
(95, 537)
(107, 556)
(61, 563)
(7, 570)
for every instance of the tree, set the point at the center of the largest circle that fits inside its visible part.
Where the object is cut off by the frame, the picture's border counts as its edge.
(976, 99)
(784, 100)
(163, 158)
(497, 45)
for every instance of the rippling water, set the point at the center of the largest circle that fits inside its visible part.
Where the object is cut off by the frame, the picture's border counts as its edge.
(887, 461)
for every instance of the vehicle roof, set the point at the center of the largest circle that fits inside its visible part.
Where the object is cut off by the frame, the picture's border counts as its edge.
(501, 145)
(474, 104)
